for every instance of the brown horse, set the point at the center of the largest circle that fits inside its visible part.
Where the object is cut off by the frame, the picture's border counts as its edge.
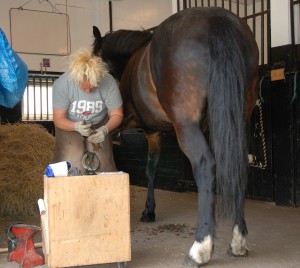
(198, 70)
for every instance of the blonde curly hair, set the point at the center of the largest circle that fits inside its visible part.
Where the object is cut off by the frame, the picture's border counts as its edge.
(84, 65)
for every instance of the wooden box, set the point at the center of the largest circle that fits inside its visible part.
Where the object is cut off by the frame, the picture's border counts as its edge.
(87, 220)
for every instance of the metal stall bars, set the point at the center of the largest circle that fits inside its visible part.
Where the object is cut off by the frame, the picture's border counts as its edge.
(295, 31)
(37, 99)
(295, 67)
(256, 13)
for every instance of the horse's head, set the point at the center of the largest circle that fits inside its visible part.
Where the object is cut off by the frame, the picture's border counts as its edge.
(117, 47)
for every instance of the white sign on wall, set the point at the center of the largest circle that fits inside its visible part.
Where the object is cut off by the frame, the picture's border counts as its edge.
(39, 32)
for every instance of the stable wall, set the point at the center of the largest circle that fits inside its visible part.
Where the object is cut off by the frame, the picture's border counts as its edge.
(123, 14)
(126, 14)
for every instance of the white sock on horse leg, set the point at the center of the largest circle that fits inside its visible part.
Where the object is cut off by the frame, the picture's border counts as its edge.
(238, 243)
(201, 252)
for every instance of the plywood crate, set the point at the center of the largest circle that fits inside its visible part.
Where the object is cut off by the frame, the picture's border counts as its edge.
(87, 220)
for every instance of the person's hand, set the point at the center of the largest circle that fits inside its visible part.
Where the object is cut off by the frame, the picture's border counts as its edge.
(84, 129)
(99, 135)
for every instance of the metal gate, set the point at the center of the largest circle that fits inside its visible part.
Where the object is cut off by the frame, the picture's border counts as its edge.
(36, 104)
(295, 140)
(295, 29)
(255, 12)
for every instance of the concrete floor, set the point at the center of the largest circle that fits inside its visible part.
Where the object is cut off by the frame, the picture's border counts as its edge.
(273, 241)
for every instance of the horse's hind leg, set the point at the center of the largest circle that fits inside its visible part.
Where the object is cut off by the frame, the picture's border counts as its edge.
(238, 246)
(194, 145)
(154, 148)
(239, 232)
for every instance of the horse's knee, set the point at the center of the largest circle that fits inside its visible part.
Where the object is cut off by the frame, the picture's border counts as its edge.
(238, 246)
(201, 252)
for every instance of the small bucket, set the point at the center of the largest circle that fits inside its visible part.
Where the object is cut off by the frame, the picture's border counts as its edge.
(60, 169)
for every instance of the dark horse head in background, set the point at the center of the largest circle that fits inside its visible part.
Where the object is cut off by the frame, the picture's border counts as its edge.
(198, 69)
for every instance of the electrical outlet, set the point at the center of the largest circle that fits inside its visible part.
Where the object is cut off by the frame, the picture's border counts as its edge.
(46, 62)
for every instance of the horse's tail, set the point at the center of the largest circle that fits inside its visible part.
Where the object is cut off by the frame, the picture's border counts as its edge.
(226, 105)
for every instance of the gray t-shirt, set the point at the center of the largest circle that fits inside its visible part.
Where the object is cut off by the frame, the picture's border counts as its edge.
(93, 107)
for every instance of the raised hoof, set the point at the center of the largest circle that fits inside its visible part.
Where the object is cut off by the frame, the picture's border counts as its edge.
(230, 253)
(147, 217)
(191, 263)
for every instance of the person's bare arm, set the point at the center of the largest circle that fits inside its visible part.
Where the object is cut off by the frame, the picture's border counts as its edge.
(61, 121)
(115, 118)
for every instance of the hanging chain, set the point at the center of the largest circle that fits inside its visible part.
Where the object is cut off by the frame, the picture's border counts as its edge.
(254, 162)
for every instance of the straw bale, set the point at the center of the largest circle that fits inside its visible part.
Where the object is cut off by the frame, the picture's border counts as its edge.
(26, 149)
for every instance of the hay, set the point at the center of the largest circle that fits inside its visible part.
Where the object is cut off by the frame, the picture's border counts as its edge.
(25, 149)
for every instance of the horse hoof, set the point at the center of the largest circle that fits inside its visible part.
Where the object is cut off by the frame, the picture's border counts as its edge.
(231, 253)
(147, 218)
(191, 263)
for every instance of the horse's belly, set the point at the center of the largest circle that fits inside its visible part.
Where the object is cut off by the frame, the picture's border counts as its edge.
(145, 97)
(149, 108)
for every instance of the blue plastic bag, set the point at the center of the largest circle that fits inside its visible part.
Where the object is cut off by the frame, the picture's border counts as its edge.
(13, 74)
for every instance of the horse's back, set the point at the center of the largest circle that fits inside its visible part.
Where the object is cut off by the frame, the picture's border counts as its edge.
(197, 20)
(182, 50)
(191, 29)
(171, 79)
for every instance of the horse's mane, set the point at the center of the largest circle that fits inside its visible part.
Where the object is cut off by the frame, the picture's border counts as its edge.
(124, 42)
